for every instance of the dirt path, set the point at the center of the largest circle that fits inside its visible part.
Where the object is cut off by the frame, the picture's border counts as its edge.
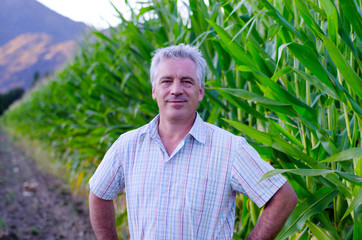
(34, 204)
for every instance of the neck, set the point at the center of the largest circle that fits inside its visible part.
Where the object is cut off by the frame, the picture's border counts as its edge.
(173, 132)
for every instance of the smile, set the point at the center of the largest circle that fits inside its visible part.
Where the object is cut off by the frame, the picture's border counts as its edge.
(176, 101)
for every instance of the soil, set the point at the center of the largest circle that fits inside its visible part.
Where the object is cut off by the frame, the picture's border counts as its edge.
(35, 204)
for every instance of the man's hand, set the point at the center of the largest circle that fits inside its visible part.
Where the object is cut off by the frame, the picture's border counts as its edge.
(102, 217)
(275, 213)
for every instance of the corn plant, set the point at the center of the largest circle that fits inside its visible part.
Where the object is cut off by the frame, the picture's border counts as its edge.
(284, 74)
(293, 87)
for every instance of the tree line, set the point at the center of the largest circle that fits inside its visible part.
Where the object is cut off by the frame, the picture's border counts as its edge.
(6, 99)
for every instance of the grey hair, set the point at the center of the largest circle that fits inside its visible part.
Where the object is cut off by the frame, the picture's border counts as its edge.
(177, 52)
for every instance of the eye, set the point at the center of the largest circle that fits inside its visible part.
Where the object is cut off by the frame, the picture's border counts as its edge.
(165, 81)
(187, 82)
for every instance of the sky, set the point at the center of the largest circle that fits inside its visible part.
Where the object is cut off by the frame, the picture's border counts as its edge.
(97, 13)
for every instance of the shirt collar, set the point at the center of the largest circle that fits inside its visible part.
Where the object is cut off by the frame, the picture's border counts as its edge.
(151, 128)
(198, 130)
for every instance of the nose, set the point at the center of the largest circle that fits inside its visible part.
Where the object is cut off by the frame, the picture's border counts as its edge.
(176, 88)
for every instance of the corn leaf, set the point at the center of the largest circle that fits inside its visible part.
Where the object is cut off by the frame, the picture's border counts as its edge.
(304, 172)
(315, 204)
(347, 72)
(309, 59)
(353, 15)
(233, 48)
(345, 155)
(351, 177)
(332, 17)
(315, 172)
(319, 232)
(357, 200)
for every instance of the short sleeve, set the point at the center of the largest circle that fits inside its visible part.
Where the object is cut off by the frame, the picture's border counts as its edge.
(247, 169)
(108, 180)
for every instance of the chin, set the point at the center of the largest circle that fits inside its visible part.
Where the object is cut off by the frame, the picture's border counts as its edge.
(176, 116)
(180, 115)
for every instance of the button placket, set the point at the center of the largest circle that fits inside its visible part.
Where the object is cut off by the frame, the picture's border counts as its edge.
(165, 190)
(164, 200)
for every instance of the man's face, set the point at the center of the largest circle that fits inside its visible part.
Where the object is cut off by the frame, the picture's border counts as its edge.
(177, 89)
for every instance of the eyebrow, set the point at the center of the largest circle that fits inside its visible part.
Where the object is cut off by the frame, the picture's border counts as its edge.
(165, 77)
(188, 77)
(182, 78)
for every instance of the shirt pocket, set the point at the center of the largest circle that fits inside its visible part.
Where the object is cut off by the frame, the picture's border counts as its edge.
(199, 193)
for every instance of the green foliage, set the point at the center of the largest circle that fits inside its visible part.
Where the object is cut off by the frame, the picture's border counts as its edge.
(285, 74)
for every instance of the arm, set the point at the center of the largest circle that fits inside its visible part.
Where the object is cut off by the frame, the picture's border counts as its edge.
(275, 213)
(102, 217)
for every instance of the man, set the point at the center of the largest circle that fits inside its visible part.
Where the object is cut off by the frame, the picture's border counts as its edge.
(181, 175)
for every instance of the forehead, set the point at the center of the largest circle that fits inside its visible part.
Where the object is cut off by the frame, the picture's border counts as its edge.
(176, 66)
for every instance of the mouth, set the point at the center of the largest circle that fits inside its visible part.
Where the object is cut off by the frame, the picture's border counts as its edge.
(176, 101)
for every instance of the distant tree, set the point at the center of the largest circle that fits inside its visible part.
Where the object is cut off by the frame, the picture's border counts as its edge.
(36, 77)
(8, 98)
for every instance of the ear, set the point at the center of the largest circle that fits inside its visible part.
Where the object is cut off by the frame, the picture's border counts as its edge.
(202, 93)
(153, 94)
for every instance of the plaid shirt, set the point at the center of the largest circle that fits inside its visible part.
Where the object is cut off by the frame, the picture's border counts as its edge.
(189, 194)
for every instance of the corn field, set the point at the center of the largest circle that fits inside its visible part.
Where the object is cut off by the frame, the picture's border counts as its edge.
(285, 74)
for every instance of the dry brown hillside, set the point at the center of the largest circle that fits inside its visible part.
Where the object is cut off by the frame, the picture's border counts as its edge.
(28, 53)
(34, 40)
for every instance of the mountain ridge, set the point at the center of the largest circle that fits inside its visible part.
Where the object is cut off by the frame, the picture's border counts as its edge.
(35, 40)
(34, 17)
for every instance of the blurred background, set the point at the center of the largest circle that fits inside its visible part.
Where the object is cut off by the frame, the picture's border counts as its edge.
(37, 37)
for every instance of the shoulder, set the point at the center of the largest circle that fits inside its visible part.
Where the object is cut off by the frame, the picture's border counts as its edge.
(221, 138)
(227, 140)
(131, 136)
(220, 132)
(135, 132)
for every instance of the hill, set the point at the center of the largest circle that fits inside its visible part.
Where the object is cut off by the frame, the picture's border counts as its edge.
(33, 41)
